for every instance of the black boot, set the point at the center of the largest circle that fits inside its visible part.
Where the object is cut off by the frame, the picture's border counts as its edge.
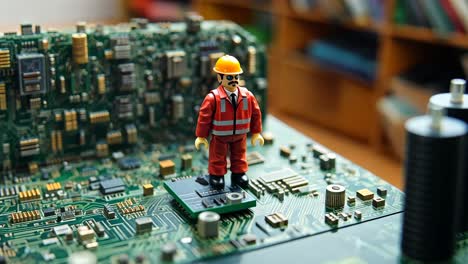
(239, 179)
(216, 181)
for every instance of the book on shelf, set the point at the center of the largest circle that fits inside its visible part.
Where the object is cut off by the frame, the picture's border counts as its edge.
(415, 14)
(353, 54)
(437, 17)
(452, 14)
(359, 11)
(442, 16)
(461, 9)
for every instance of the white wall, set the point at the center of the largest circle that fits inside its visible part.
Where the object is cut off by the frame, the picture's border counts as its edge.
(58, 12)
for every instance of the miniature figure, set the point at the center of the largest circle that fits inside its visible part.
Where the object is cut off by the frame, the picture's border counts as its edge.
(228, 112)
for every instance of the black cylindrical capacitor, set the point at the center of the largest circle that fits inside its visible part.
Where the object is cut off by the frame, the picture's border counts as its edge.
(456, 105)
(455, 102)
(433, 165)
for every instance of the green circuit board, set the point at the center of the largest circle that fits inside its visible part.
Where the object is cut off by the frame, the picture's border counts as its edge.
(77, 204)
(96, 134)
(69, 95)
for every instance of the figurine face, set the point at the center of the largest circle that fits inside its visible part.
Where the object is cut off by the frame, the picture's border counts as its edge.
(230, 82)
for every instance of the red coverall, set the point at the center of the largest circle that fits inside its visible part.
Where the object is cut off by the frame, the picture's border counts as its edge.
(217, 117)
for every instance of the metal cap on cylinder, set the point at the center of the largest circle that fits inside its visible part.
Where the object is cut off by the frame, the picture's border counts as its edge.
(456, 102)
(457, 90)
(208, 224)
(436, 113)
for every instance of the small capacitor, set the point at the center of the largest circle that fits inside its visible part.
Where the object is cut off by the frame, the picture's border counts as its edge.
(63, 85)
(45, 44)
(151, 116)
(335, 196)
(82, 137)
(205, 69)
(177, 107)
(208, 224)
(168, 251)
(435, 153)
(59, 141)
(101, 81)
(149, 80)
(6, 148)
(251, 59)
(37, 29)
(81, 27)
(80, 48)
(233, 198)
(193, 22)
(82, 115)
(53, 141)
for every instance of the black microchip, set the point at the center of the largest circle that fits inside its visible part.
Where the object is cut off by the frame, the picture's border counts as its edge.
(201, 180)
(92, 179)
(109, 212)
(99, 228)
(111, 186)
(381, 191)
(127, 77)
(94, 186)
(89, 172)
(50, 211)
(105, 177)
(68, 215)
(75, 195)
(123, 107)
(129, 163)
(31, 74)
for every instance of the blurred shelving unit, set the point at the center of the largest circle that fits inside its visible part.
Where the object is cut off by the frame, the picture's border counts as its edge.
(334, 99)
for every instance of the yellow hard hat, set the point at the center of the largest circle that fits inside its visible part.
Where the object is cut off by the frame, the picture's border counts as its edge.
(227, 65)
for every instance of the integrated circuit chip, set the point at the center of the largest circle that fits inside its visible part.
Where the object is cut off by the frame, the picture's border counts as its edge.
(50, 211)
(31, 74)
(68, 215)
(129, 163)
(143, 225)
(276, 220)
(278, 175)
(365, 194)
(196, 197)
(62, 230)
(111, 186)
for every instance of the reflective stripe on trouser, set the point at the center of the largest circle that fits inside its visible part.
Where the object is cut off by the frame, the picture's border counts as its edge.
(236, 146)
